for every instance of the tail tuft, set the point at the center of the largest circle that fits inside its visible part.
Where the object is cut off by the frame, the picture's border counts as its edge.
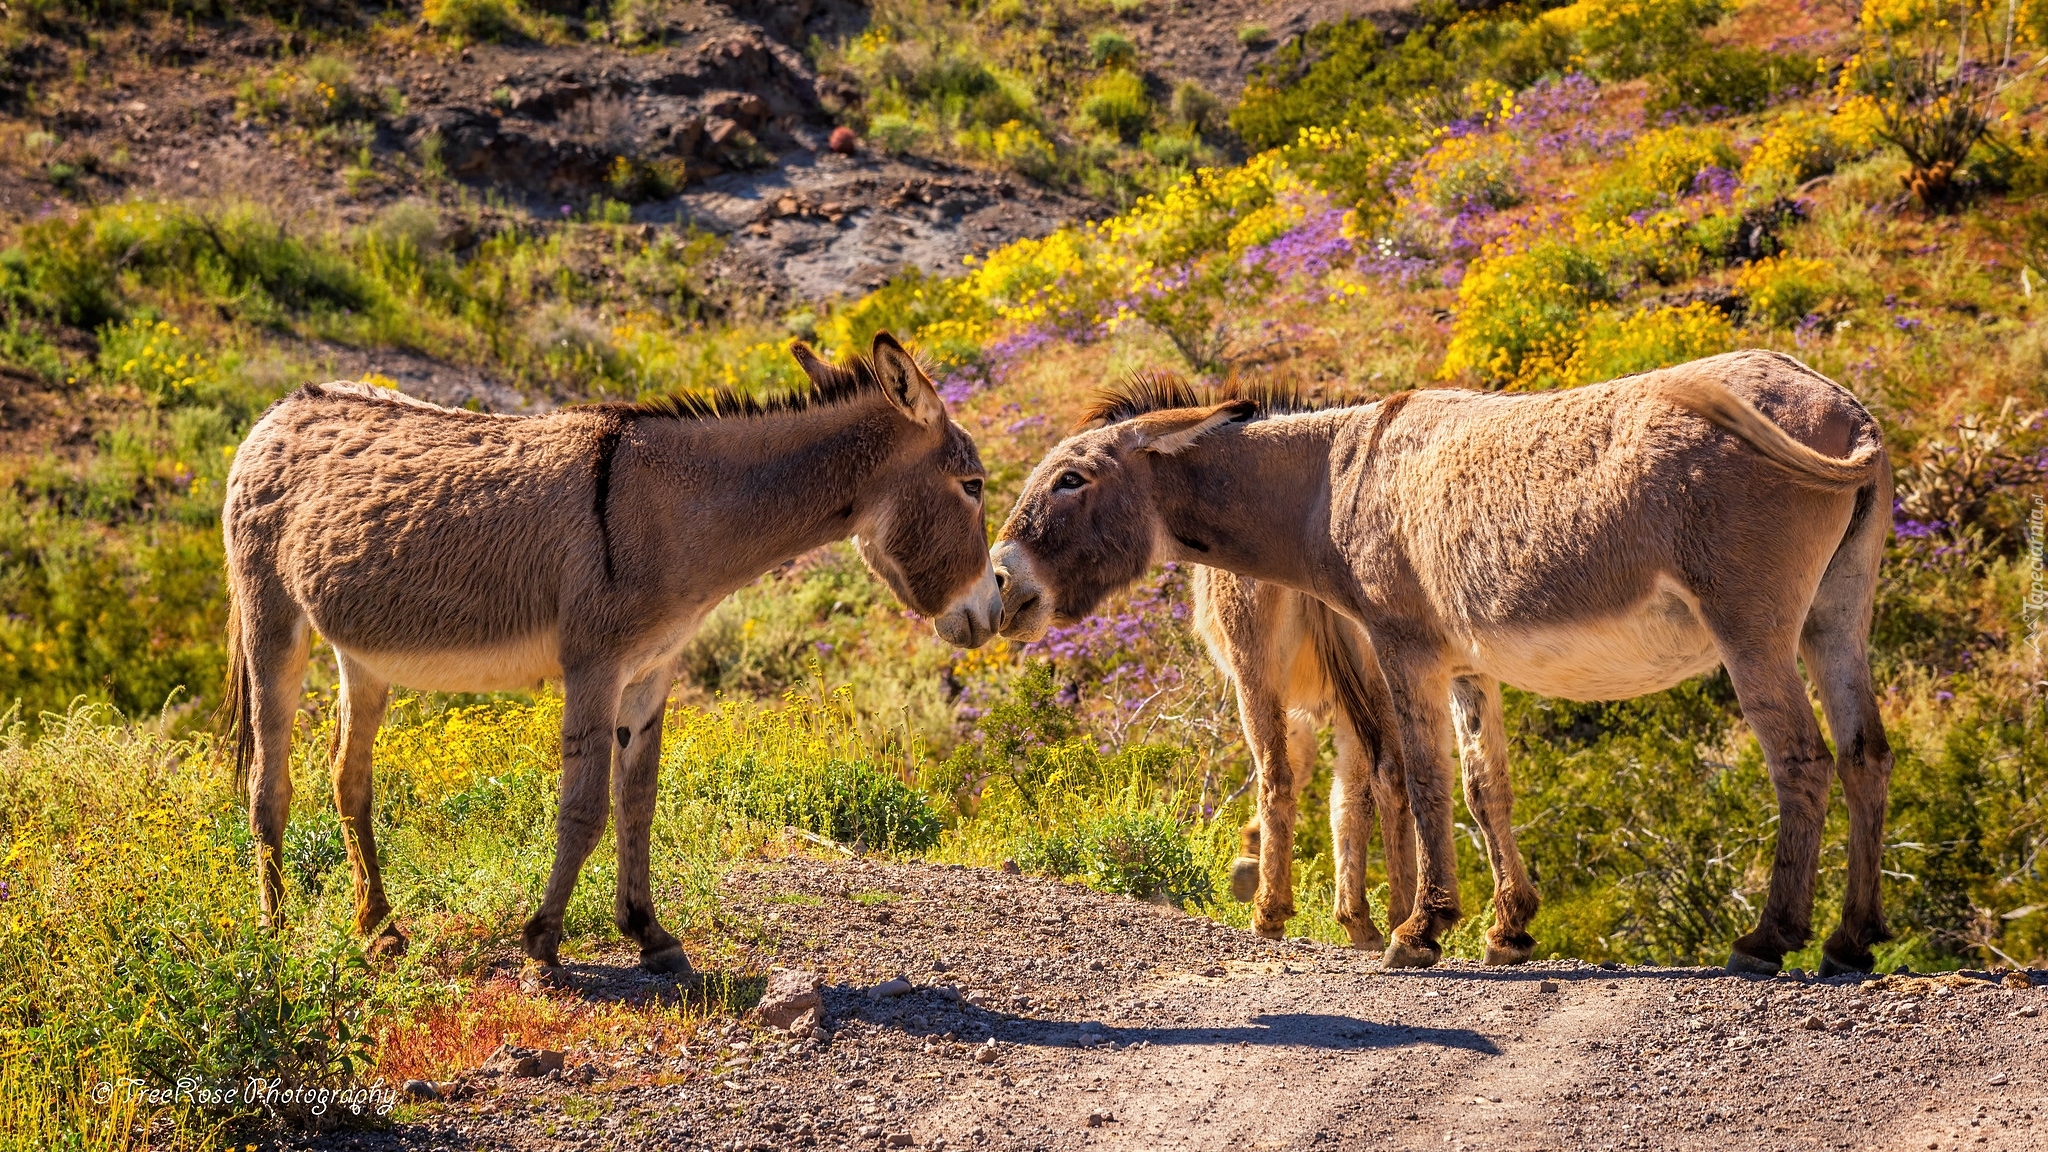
(232, 718)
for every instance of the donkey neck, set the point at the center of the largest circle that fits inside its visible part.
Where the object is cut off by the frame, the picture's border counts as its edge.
(771, 487)
(1254, 500)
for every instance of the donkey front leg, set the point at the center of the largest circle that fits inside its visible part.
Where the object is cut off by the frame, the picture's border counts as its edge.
(1774, 702)
(363, 698)
(589, 707)
(633, 792)
(1419, 684)
(1483, 750)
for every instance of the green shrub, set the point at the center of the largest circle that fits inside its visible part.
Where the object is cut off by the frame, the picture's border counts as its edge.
(1781, 290)
(895, 132)
(1520, 315)
(1718, 81)
(1116, 102)
(1253, 35)
(1111, 49)
(1660, 168)
(477, 19)
(1143, 855)
(1196, 107)
(1628, 38)
(1655, 338)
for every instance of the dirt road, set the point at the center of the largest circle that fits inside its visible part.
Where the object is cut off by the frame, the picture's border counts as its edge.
(1118, 1024)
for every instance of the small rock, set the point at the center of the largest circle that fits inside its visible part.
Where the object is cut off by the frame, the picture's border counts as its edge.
(811, 1023)
(1812, 1024)
(1996, 1080)
(1094, 966)
(897, 1140)
(869, 1132)
(893, 987)
(1091, 1026)
(2016, 980)
(1213, 971)
(1546, 986)
(986, 1054)
(791, 993)
(523, 1063)
(1609, 966)
(2029, 1012)
(947, 992)
(420, 1090)
(1098, 1119)
(843, 141)
(1010, 868)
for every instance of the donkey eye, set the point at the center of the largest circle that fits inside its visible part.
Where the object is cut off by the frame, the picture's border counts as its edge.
(1069, 480)
(973, 488)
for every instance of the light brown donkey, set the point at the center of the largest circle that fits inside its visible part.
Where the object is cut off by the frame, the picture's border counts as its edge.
(1296, 665)
(1291, 656)
(1595, 543)
(451, 551)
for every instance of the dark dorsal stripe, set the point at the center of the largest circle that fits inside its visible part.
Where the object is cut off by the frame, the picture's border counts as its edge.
(601, 481)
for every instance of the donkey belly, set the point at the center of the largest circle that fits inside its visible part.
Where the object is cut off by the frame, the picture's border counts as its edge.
(503, 667)
(1656, 644)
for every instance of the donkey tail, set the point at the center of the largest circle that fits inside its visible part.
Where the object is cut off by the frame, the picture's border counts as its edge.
(1723, 408)
(232, 718)
(1339, 662)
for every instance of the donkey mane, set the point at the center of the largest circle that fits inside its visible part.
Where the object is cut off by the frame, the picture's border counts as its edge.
(1158, 391)
(831, 384)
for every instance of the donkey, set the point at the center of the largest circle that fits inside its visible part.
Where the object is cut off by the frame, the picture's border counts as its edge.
(1596, 543)
(1296, 664)
(1292, 657)
(452, 551)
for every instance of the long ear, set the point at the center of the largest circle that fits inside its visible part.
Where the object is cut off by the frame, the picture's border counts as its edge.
(1168, 432)
(905, 383)
(824, 377)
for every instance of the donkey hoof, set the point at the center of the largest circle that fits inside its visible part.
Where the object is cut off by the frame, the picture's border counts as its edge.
(1829, 966)
(1265, 931)
(1401, 954)
(1373, 943)
(1498, 955)
(1743, 964)
(388, 945)
(668, 961)
(1244, 879)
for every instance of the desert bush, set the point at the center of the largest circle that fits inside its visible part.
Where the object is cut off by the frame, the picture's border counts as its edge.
(1655, 338)
(1196, 107)
(895, 132)
(1144, 855)
(1628, 38)
(478, 19)
(1111, 49)
(320, 90)
(1718, 81)
(1116, 103)
(1465, 171)
(1935, 71)
(1782, 290)
(1660, 168)
(1521, 314)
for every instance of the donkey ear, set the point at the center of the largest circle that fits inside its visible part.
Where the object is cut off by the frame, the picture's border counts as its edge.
(822, 374)
(1168, 432)
(905, 383)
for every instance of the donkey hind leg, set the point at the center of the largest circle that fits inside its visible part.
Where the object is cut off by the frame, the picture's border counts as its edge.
(589, 708)
(1351, 820)
(633, 787)
(1244, 871)
(1835, 646)
(278, 643)
(1483, 751)
(1420, 689)
(1276, 761)
(1773, 700)
(363, 698)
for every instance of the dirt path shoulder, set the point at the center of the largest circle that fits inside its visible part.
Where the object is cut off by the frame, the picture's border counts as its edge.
(1049, 1016)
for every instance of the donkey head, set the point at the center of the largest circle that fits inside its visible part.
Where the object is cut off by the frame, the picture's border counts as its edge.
(919, 524)
(1087, 523)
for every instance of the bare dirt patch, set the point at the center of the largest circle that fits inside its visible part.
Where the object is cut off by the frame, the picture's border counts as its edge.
(1122, 1024)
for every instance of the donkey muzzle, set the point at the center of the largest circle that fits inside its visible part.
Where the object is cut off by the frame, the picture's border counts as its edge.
(1026, 609)
(972, 619)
